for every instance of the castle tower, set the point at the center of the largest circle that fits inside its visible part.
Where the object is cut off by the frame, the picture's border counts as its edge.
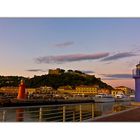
(136, 76)
(21, 91)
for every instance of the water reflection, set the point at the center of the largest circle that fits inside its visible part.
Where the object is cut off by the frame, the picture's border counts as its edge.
(119, 107)
(108, 108)
(103, 108)
(20, 115)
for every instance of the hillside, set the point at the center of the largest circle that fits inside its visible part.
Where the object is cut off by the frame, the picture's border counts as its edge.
(66, 78)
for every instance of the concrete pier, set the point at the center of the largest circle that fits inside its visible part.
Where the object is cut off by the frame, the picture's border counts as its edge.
(130, 115)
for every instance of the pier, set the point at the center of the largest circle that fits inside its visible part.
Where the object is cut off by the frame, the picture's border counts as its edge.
(130, 115)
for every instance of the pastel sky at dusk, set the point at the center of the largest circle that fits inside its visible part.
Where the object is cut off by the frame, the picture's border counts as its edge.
(109, 48)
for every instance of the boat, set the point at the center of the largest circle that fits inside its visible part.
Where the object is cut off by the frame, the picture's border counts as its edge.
(103, 98)
(132, 97)
(120, 97)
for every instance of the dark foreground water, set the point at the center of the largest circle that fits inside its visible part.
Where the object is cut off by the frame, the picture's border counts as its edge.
(61, 113)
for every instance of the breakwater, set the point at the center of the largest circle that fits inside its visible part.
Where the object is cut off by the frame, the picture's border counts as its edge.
(34, 102)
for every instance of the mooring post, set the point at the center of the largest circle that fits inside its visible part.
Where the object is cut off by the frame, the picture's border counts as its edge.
(40, 114)
(4, 115)
(64, 113)
(92, 111)
(73, 116)
(80, 111)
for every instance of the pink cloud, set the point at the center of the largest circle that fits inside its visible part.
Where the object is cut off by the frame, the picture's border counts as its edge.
(70, 58)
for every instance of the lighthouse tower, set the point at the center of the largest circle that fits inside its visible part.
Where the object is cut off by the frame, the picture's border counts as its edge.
(21, 91)
(136, 76)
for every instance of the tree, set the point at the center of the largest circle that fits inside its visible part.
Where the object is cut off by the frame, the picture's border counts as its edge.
(77, 71)
(70, 71)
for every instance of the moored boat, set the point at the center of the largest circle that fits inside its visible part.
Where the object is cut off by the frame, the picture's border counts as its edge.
(132, 97)
(103, 98)
(120, 97)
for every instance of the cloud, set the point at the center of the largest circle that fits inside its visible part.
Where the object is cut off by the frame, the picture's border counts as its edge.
(65, 44)
(131, 63)
(109, 78)
(87, 71)
(108, 63)
(36, 70)
(70, 58)
(119, 56)
(117, 76)
(136, 48)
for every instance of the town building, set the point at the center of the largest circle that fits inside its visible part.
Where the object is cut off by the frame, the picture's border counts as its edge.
(65, 89)
(126, 90)
(44, 90)
(9, 91)
(14, 90)
(30, 90)
(86, 90)
(83, 90)
(104, 90)
(116, 91)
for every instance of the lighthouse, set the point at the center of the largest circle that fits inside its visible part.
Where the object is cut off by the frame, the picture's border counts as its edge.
(21, 91)
(136, 76)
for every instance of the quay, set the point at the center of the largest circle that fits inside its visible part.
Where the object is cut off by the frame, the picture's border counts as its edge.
(34, 102)
(130, 115)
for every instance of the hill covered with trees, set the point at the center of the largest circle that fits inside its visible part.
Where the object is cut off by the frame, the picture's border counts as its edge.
(72, 78)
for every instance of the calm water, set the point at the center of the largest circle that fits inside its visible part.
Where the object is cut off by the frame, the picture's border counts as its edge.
(61, 113)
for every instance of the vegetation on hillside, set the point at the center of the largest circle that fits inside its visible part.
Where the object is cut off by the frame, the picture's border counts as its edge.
(67, 78)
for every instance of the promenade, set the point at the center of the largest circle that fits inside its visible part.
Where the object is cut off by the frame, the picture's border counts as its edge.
(131, 115)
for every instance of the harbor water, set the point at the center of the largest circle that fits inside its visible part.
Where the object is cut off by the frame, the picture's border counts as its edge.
(61, 113)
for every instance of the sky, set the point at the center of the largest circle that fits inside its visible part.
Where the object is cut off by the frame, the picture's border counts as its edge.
(109, 48)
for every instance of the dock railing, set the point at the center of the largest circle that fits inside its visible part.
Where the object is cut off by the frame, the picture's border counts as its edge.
(58, 113)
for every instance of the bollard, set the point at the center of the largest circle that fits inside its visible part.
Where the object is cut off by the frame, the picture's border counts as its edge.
(92, 111)
(80, 110)
(40, 114)
(4, 115)
(64, 113)
(73, 116)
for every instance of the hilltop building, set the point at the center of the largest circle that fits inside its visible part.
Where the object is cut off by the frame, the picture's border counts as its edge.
(56, 71)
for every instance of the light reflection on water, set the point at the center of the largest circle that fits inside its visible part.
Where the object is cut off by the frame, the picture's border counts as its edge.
(60, 113)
